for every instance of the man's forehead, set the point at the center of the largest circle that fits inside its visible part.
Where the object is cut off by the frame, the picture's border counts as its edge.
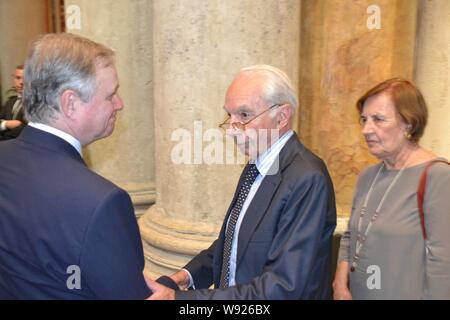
(108, 73)
(243, 102)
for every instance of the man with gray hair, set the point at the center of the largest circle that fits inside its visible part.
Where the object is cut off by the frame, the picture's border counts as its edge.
(275, 241)
(66, 232)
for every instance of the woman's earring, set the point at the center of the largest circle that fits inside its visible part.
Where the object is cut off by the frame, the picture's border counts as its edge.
(408, 135)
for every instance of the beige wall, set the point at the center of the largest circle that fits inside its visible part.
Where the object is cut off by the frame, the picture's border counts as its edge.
(20, 21)
(432, 72)
(340, 59)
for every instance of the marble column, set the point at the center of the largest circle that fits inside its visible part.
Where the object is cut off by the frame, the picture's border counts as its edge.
(432, 72)
(127, 156)
(346, 49)
(20, 21)
(198, 47)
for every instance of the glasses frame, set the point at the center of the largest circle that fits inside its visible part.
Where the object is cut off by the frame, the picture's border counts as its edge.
(239, 125)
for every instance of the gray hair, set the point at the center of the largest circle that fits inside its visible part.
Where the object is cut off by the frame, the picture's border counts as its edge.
(278, 88)
(58, 62)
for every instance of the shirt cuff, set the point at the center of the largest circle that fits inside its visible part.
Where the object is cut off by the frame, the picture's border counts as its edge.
(3, 125)
(191, 280)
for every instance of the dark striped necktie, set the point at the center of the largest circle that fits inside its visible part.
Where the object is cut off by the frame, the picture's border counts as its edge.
(249, 178)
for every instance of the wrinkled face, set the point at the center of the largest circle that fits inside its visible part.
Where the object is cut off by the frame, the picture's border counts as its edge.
(382, 127)
(243, 103)
(99, 114)
(18, 80)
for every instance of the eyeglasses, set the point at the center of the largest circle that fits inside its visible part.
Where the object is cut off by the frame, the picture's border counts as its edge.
(241, 125)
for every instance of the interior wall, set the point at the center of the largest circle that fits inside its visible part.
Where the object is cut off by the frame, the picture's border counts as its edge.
(15, 34)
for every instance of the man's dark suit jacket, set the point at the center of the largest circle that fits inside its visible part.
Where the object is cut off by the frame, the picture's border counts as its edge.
(6, 114)
(284, 245)
(56, 213)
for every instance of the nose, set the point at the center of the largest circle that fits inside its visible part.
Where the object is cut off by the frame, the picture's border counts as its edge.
(231, 131)
(118, 102)
(367, 127)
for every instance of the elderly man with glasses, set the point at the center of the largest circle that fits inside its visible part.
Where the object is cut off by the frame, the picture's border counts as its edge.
(275, 241)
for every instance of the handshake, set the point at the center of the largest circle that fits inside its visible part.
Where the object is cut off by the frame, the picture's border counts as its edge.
(164, 287)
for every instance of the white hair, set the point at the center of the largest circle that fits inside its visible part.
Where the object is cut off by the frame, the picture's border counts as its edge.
(278, 88)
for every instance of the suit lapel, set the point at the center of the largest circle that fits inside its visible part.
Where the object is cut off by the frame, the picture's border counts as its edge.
(263, 197)
(256, 211)
(8, 109)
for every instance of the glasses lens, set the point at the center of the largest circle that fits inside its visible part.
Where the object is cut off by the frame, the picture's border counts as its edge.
(234, 126)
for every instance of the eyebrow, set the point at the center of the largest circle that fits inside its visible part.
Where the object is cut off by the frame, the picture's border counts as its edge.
(243, 107)
(373, 114)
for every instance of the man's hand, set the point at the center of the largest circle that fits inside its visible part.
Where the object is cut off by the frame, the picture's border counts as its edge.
(181, 278)
(11, 124)
(160, 292)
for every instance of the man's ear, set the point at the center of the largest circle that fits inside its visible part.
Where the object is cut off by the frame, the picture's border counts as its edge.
(284, 115)
(68, 102)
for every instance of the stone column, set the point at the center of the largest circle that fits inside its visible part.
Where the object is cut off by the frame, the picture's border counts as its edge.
(432, 72)
(127, 156)
(198, 47)
(20, 21)
(346, 49)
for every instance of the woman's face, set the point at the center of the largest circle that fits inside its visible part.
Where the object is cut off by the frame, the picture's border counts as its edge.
(382, 127)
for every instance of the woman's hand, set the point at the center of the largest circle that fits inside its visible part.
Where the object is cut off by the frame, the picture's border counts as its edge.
(340, 283)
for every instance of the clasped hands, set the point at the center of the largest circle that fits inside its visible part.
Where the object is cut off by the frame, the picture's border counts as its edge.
(164, 287)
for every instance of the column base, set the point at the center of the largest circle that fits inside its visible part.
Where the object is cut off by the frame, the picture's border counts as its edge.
(170, 243)
(143, 195)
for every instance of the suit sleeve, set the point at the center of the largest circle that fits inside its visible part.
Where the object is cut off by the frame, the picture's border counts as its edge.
(201, 268)
(2, 119)
(2, 111)
(112, 259)
(298, 247)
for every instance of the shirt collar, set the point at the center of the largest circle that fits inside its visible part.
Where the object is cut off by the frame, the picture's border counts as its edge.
(61, 134)
(265, 161)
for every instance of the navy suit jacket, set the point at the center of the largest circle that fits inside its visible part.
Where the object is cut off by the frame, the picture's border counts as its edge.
(55, 213)
(284, 245)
